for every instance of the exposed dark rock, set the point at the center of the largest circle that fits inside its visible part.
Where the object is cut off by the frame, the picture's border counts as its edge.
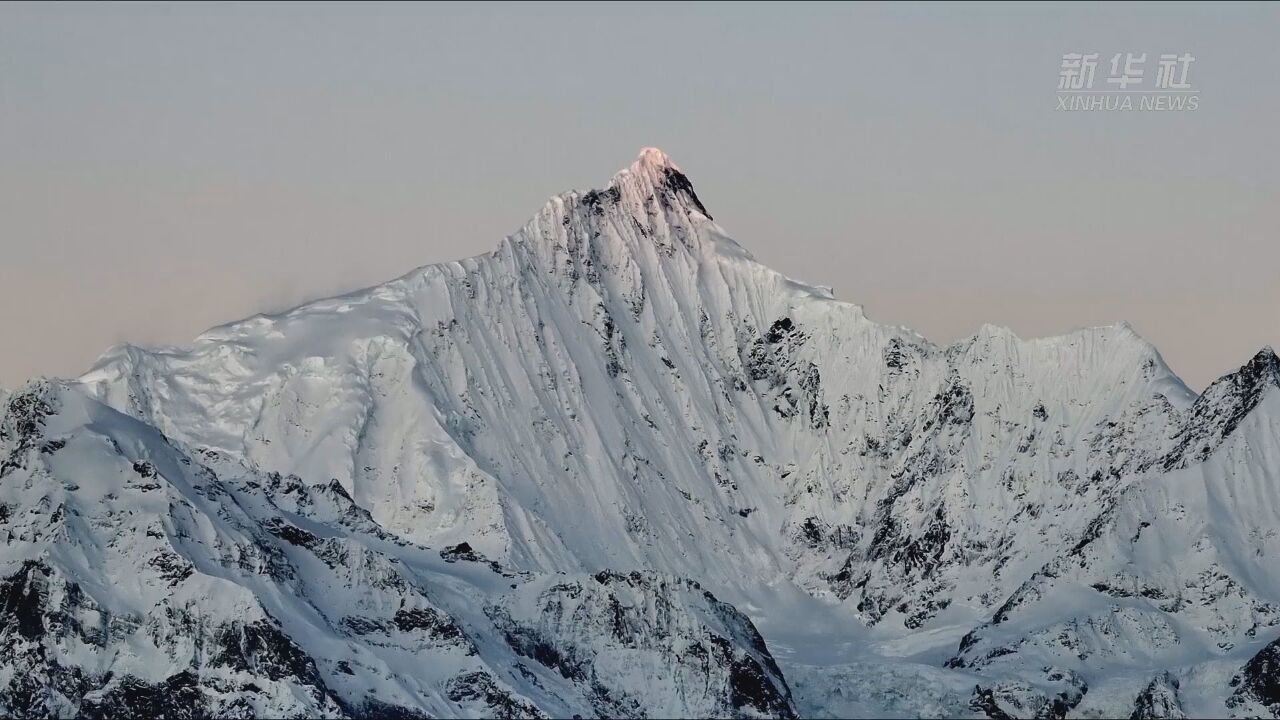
(375, 709)
(293, 534)
(178, 697)
(1222, 407)
(1158, 700)
(1259, 680)
(750, 687)
(677, 181)
(480, 687)
(22, 422)
(984, 701)
(262, 649)
(23, 596)
(1015, 699)
(461, 551)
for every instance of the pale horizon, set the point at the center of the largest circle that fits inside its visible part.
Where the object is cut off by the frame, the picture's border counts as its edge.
(171, 169)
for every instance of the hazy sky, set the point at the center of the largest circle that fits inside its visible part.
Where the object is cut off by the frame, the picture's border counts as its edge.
(165, 168)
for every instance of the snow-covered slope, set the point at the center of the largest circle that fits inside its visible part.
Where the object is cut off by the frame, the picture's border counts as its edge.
(1177, 571)
(621, 388)
(143, 581)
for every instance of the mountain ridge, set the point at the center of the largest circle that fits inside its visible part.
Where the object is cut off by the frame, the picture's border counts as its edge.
(648, 167)
(619, 388)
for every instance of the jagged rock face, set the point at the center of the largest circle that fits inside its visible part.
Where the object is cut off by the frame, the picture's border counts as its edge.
(1258, 683)
(1159, 699)
(1053, 694)
(617, 635)
(1220, 410)
(620, 387)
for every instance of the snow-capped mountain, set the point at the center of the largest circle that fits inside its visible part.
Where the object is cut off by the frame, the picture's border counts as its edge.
(576, 474)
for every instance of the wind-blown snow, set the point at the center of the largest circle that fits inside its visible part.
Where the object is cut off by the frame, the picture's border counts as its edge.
(1033, 527)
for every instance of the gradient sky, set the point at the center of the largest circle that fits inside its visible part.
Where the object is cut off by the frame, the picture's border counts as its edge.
(166, 168)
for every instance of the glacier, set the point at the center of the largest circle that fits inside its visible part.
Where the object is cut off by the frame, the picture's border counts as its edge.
(617, 467)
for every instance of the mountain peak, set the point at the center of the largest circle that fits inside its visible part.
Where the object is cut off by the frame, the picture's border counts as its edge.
(1224, 405)
(654, 157)
(1263, 369)
(1266, 359)
(653, 172)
